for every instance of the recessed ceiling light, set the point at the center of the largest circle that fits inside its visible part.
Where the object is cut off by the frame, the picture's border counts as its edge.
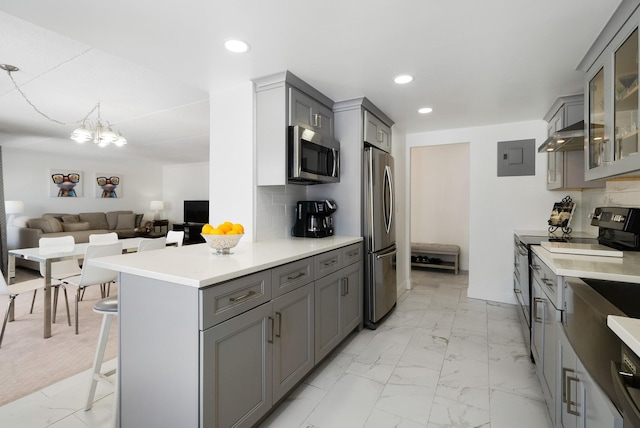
(237, 46)
(425, 110)
(403, 79)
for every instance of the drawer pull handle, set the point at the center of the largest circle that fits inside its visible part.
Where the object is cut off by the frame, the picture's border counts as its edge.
(241, 298)
(353, 253)
(300, 274)
(332, 262)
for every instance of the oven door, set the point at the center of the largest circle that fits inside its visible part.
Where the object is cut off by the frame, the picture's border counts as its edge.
(627, 388)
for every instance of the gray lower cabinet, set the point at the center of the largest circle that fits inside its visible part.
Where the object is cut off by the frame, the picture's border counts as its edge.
(293, 352)
(236, 370)
(544, 328)
(351, 298)
(582, 403)
(328, 332)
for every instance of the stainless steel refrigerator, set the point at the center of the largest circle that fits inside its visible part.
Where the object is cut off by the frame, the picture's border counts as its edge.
(379, 236)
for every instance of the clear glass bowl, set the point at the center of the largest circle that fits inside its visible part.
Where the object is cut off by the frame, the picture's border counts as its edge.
(221, 243)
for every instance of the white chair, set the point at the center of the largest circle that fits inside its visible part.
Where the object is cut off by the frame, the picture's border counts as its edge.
(175, 237)
(93, 275)
(59, 270)
(103, 238)
(152, 244)
(14, 291)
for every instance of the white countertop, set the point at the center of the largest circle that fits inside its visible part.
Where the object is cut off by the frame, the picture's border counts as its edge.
(558, 233)
(625, 268)
(197, 266)
(627, 329)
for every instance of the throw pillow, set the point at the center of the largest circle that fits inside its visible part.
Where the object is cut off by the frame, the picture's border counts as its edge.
(96, 220)
(126, 221)
(74, 227)
(70, 219)
(39, 223)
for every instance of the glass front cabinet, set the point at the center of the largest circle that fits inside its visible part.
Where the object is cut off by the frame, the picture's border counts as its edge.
(611, 110)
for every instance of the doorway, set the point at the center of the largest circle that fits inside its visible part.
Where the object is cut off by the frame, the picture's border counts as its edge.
(439, 196)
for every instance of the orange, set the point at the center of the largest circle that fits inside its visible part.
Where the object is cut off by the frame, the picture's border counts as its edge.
(238, 228)
(216, 232)
(224, 227)
(206, 229)
(232, 232)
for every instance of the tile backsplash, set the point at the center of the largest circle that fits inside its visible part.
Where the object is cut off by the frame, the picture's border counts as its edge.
(618, 193)
(275, 210)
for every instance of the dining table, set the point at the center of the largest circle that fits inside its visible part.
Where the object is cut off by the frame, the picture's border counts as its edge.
(46, 258)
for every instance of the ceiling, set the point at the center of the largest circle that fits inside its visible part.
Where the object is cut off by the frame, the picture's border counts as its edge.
(153, 64)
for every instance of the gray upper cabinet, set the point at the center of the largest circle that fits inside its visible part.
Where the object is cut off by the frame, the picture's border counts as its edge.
(611, 105)
(565, 169)
(309, 113)
(376, 132)
(284, 100)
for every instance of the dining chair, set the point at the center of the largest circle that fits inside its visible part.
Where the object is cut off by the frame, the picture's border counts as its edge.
(103, 238)
(13, 291)
(175, 237)
(59, 270)
(152, 244)
(93, 275)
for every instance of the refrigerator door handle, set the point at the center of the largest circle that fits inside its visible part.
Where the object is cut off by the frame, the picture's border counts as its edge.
(390, 253)
(388, 202)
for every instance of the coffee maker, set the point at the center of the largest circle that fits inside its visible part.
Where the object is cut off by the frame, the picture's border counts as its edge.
(313, 219)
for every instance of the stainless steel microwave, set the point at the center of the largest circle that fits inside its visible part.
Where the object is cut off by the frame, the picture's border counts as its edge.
(313, 158)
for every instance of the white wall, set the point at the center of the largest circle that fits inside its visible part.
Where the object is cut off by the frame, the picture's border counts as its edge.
(27, 176)
(232, 157)
(183, 182)
(440, 196)
(497, 205)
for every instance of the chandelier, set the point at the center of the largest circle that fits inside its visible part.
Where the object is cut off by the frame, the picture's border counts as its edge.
(101, 133)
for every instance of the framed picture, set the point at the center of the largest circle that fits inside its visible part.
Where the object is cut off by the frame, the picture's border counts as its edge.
(108, 185)
(65, 183)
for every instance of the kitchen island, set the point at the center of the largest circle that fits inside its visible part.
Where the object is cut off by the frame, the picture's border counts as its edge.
(209, 340)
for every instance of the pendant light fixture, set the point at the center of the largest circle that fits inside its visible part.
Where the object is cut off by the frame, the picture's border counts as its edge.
(100, 132)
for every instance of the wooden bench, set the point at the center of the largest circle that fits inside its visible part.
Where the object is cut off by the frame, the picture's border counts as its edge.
(428, 255)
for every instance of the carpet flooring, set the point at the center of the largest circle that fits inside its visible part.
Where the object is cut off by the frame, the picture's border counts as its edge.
(28, 362)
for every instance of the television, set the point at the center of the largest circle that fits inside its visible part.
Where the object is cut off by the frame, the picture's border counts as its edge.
(196, 212)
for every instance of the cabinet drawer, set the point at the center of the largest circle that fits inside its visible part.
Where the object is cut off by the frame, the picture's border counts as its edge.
(226, 300)
(351, 254)
(326, 263)
(291, 276)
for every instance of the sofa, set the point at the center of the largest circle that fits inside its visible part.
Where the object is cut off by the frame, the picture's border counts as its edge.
(80, 226)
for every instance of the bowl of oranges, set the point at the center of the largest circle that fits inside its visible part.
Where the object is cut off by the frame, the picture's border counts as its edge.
(222, 237)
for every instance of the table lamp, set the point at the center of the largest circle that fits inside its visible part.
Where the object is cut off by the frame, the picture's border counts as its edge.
(157, 206)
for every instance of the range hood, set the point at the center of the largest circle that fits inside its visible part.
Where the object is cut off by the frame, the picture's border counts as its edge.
(567, 139)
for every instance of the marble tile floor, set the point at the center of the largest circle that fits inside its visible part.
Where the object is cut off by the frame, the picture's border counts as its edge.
(439, 360)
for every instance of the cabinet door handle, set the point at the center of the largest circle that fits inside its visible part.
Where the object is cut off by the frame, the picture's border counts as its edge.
(548, 282)
(291, 278)
(381, 136)
(240, 298)
(536, 300)
(317, 121)
(270, 332)
(345, 286)
(570, 402)
(534, 266)
(279, 315)
(565, 383)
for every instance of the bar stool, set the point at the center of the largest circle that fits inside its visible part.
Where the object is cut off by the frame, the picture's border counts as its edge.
(109, 308)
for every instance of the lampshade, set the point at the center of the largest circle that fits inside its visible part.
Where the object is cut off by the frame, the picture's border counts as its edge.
(157, 205)
(13, 207)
